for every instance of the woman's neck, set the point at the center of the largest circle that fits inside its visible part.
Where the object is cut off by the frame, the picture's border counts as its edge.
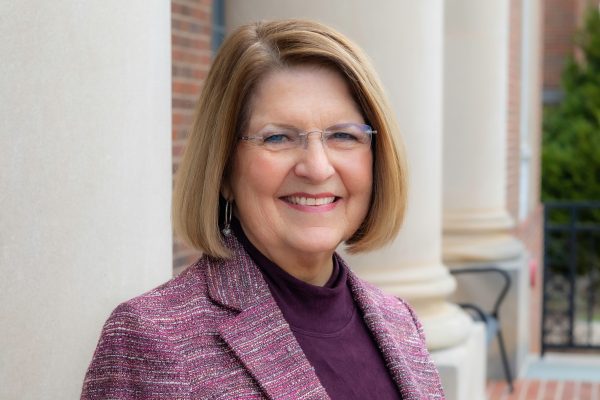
(312, 268)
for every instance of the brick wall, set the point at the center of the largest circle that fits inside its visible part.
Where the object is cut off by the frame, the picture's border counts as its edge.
(560, 20)
(514, 108)
(191, 58)
(562, 17)
(529, 230)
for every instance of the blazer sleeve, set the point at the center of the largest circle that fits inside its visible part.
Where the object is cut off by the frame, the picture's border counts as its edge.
(135, 359)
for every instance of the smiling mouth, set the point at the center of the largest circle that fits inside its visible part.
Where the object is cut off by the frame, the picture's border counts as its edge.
(309, 201)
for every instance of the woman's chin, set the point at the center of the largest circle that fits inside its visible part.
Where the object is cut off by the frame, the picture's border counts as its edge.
(317, 243)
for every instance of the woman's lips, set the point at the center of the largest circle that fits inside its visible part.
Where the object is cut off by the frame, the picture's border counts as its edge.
(310, 201)
(314, 203)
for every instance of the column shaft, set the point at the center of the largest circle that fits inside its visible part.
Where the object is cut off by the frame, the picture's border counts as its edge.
(477, 226)
(85, 175)
(476, 222)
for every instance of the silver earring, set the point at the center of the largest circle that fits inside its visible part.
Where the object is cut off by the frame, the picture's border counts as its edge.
(228, 212)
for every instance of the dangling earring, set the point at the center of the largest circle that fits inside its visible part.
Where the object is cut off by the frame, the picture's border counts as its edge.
(228, 212)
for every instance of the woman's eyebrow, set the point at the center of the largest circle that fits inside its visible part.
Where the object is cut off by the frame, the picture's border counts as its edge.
(272, 125)
(279, 126)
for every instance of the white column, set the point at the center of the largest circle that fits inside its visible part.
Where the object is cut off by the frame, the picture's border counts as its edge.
(476, 221)
(85, 180)
(477, 225)
(404, 40)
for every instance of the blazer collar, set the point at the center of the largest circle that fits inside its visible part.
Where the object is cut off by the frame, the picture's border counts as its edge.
(259, 334)
(236, 283)
(386, 334)
(263, 341)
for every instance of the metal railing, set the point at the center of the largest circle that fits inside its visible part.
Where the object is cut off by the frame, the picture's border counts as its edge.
(571, 288)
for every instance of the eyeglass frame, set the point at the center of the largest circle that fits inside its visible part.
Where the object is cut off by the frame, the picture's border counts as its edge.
(324, 134)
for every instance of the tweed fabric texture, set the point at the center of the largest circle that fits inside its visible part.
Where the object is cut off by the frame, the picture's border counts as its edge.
(215, 332)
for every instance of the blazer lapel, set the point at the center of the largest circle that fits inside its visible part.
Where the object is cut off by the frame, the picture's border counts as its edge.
(259, 335)
(394, 350)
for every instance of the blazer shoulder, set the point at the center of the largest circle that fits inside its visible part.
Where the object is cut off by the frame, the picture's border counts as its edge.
(141, 352)
(138, 354)
(185, 291)
(385, 300)
(395, 310)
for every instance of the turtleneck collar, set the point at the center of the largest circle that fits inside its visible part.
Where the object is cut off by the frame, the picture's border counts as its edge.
(309, 309)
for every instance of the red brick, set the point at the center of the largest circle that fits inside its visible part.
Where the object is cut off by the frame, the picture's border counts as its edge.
(532, 390)
(560, 17)
(180, 118)
(550, 390)
(200, 43)
(188, 9)
(191, 25)
(499, 390)
(585, 391)
(183, 103)
(201, 58)
(518, 387)
(514, 104)
(568, 392)
(186, 87)
(177, 150)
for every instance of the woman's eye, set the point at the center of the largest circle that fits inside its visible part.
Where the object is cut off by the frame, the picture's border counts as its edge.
(275, 138)
(343, 136)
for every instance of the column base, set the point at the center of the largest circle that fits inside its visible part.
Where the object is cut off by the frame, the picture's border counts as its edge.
(426, 288)
(477, 220)
(462, 367)
(412, 283)
(445, 324)
(479, 235)
(464, 248)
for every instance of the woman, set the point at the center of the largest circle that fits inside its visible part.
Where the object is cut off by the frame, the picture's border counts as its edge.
(292, 153)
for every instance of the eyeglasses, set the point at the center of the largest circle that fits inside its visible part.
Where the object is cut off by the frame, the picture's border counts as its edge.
(338, 137)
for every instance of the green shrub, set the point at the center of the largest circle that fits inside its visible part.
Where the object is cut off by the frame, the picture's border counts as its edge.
(571, 140)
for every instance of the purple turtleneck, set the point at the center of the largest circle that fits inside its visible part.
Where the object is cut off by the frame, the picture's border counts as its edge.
(329, 328)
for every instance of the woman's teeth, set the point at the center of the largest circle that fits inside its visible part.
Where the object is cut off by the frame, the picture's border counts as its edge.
(310, 201)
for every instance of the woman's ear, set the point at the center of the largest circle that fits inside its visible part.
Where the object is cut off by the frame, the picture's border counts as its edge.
(226, 192)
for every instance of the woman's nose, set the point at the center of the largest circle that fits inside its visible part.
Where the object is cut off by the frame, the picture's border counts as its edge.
(314, 163)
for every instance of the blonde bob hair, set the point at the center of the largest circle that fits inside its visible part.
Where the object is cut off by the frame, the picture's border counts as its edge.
(246, 56)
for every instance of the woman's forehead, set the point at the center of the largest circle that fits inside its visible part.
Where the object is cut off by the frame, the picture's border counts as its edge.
(303, 94)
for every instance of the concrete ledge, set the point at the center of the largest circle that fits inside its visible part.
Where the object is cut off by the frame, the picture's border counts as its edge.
(557, 366)
(462, 367)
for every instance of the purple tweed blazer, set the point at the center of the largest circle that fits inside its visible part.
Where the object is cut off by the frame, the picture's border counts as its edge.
(215, 332)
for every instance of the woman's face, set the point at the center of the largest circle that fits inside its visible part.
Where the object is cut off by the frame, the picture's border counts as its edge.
(300, 202)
